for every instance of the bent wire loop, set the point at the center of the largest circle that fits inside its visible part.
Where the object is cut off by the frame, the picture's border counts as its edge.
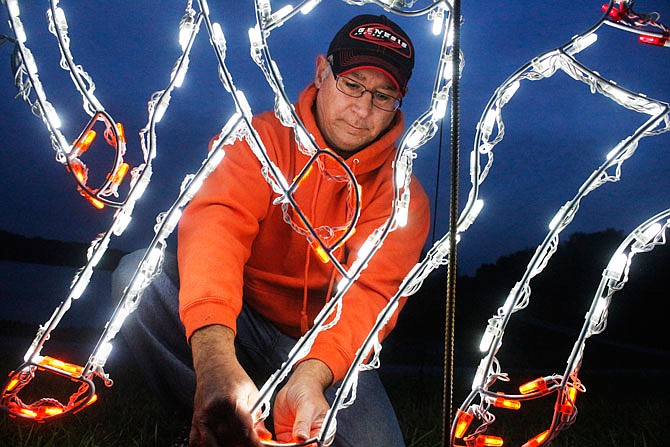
(27, 80)
(464, 430)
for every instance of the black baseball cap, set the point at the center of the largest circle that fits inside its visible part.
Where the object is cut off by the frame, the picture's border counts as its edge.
(371, 41)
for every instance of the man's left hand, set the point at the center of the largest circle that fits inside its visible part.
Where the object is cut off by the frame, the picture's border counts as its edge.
(300, 406)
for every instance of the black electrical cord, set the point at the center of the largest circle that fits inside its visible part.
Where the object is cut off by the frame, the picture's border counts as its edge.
(5, 39)
(437, 184)
(450, 311)
(15, 59)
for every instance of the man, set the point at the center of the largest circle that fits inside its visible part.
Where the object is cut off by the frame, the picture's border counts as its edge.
(249, 285)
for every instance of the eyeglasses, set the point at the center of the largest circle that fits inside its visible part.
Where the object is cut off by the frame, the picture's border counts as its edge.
(355, 89)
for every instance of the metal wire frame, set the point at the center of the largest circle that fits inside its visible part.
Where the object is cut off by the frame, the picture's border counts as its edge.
(421, 131)
(47, 408)
(489, 369)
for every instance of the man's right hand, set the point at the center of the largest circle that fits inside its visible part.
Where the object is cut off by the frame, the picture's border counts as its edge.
(224, 393)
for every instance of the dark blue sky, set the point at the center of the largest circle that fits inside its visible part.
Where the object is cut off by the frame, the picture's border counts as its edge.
(557, 131)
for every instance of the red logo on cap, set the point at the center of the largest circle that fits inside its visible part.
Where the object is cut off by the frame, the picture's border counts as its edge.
(384, 36)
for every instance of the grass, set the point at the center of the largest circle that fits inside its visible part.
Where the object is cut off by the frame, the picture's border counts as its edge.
(618, 410)
(124, 415)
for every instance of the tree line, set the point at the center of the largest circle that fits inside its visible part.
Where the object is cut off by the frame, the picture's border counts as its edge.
(547, 329)
(37, 250)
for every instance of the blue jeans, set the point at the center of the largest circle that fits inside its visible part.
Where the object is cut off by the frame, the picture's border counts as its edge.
(156, 337)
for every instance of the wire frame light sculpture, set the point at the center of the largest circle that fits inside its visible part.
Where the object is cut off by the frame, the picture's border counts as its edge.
(237, 127)
(421, 131)
(470, 426)
(31, 90)
(29, 84)
(643, 239)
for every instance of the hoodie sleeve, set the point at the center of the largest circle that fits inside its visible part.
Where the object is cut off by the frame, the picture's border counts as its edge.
(378, 283)
(215, 234)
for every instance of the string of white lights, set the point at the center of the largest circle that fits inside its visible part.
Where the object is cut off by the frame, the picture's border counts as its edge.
(489, 370)
(239, 127)
(27, 80)
(150, 265)
(371, 347)
(130, 300)
(421, 131)
(642, 239)
(140, 178)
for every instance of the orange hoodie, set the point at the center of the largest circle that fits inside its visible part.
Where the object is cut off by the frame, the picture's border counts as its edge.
(234, 243)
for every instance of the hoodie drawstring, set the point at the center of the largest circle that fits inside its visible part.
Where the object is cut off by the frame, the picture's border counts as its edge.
(304, 321)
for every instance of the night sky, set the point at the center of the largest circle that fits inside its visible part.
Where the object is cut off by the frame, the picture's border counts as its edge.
(557, 131)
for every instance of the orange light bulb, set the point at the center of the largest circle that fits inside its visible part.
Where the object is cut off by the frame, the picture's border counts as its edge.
(537, 440)
(463, 421)
(536, 386)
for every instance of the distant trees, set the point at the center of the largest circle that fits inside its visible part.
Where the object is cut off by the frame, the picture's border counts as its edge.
(544, 332)
(14, 247)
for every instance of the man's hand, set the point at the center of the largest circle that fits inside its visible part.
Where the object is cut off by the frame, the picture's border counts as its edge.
(224, 393)
(301, 407)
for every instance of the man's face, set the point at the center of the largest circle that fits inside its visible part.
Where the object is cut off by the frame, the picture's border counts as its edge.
(348, 124)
